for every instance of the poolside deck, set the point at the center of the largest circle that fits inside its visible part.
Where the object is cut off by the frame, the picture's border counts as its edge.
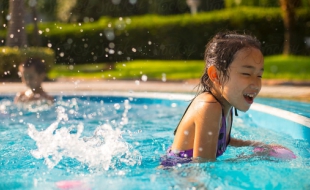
(274, 89)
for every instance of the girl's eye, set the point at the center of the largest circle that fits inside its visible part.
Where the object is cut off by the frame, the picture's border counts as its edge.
(246, 74)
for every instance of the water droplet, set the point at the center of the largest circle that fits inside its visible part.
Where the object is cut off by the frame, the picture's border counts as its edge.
(109, 33)
(200, 149)
(117, 106)
(69, 41)
(111, 51)
(163, 77)
(111, 45)
(174, 105)
(144, 78)
(186, 132)
(132, 2)
(116, 2)
(137, 82)
(133, 49)
(128, 20)
(86, 19)
(49, 45)
(210, 133)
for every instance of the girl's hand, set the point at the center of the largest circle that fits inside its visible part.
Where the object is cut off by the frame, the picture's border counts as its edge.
(274, 150)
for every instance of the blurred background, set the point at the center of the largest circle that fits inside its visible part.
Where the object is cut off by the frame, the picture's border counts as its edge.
(148, 39)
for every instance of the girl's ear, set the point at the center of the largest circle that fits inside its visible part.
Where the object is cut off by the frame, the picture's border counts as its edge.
(212, 73)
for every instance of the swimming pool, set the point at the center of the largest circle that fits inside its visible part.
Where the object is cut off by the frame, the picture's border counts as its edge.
(115, 142)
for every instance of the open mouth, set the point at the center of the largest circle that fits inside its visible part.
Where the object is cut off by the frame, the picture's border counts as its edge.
(249, 97)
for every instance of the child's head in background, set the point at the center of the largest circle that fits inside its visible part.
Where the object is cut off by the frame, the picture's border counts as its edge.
(232, 56)
(32, 73)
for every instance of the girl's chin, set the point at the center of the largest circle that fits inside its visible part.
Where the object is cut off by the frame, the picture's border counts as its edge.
(243, 109)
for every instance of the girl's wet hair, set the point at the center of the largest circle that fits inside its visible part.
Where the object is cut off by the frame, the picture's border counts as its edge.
(220, 52)
(37, 63)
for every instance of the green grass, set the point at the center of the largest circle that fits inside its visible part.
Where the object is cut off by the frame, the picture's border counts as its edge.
(276, 67)
(287, 67)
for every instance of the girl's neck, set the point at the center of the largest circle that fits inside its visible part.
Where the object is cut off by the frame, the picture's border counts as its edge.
(226, 106)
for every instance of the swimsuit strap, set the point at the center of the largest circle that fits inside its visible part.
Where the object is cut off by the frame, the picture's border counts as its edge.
(182, 117)
(224, 121)
(236, 113)
(232, 118)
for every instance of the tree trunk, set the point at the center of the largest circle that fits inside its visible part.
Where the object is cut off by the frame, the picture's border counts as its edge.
(288, 14)
(36, 36)
(16, 34)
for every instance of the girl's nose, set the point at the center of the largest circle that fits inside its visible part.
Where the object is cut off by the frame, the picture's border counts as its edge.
(256, 84)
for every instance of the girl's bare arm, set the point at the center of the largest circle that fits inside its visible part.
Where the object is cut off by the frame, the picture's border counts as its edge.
(207, 125)
(239, 143)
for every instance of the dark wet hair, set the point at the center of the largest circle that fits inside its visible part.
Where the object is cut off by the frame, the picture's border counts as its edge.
(37, 63)
(220, 52)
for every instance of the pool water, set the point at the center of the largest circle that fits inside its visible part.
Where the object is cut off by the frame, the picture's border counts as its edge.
(300, 108)
(115, 142)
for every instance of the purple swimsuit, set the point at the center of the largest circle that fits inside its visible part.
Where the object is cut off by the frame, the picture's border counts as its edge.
(185, 156)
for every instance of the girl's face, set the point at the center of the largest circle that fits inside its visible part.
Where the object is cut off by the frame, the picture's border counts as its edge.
(30, 77)
(245, 76)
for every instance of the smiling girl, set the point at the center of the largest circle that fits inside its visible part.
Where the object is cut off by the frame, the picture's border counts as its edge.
(234, 66)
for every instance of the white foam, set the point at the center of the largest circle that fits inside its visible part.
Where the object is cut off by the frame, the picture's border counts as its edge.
(102, 150)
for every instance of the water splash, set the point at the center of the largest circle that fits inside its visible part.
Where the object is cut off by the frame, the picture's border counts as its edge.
(35, 106)
(4, 106)
(102, 150)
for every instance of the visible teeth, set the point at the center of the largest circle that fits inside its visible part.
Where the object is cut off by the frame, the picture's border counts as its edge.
(250, 95)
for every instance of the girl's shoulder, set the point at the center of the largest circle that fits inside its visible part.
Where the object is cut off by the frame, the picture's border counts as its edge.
(206, 101)
(206, 97)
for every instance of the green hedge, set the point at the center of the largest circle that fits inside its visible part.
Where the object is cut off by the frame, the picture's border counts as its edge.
(261, 3)
(166, 37)
(10, 58)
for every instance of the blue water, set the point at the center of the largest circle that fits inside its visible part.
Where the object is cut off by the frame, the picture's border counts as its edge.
(116, 143)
